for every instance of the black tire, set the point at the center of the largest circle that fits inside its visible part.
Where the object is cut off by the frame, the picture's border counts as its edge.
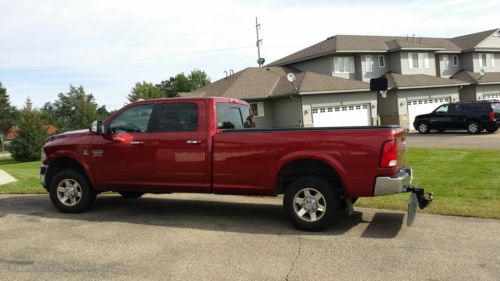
(73, 182)
(423, 128)
(473, 127)
(131, 194)
(329, 202)
(491, 130)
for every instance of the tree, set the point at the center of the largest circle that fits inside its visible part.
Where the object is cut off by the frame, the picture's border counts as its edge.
(73, 110)
(182, 83)
(145, 91)
(7, 112)
(31, 135)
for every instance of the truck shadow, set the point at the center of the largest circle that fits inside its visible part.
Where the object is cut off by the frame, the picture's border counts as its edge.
(241, 217)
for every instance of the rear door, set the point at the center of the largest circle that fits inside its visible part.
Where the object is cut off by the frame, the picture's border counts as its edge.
(179, 145)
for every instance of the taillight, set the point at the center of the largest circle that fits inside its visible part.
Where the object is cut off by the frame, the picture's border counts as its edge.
(492, 116)
(389, 154)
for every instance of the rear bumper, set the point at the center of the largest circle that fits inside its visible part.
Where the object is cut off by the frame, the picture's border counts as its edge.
(401, 182)
(43, 172)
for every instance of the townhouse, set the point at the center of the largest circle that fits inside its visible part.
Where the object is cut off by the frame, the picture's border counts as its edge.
(331, 80)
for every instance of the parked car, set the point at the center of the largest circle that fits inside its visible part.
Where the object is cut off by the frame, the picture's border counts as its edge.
(473, 116)
(210, 145)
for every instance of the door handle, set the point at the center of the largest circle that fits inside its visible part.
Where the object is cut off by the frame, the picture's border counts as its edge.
(136, 142)
(193, 141)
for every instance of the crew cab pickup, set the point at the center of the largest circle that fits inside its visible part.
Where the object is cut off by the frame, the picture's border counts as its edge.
(211, 145)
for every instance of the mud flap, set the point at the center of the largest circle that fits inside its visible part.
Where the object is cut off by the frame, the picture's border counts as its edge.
(417, 198)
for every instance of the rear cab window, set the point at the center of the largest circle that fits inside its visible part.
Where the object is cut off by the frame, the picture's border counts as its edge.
(234, 116)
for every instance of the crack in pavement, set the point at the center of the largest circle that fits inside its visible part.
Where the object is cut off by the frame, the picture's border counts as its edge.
(296, 256)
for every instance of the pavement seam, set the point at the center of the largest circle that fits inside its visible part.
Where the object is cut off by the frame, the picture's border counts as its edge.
(296, 256)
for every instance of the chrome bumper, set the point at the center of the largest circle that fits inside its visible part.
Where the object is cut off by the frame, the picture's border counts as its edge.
(43, 171)
(401, 182)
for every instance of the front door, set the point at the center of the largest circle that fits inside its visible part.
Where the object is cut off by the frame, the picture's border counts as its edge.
(179, 144)
(121, 157)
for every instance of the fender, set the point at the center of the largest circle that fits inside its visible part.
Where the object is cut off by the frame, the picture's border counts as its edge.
(332, 162)
(76, 157)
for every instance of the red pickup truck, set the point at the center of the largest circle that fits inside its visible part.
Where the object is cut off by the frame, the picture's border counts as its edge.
(211, 145)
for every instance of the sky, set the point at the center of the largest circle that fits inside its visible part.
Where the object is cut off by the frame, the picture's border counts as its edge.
(109, 45)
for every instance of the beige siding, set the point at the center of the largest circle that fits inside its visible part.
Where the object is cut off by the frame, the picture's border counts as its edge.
(394, 62)
(265, 121)
(388, 108)
(323, 65)
(468, 93)
(493, 41)
(405, 66)
(287, 113)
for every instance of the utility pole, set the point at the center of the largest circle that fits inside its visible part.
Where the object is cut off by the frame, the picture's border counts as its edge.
(260, 60)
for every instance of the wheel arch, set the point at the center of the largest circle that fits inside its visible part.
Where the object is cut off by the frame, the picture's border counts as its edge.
(63, 161)
(298, 165)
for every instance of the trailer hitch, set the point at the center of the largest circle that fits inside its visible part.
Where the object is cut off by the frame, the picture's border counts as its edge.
(419, 198)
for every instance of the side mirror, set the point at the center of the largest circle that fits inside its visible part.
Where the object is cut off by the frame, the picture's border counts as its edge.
(96, 127)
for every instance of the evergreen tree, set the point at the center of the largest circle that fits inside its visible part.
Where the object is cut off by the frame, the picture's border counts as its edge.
(31, 135)
(7, 112)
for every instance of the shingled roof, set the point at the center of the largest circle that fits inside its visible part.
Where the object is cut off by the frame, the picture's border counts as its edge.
(475, 78)
(269, 82)
(419, 81)
(382, 44)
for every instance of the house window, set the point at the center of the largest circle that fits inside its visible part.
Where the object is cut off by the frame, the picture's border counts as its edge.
(381, 61)
(418, 60)
(446, 63)
(369, 63)
(257, 109)
(486, 60)
(343, 64)
(455, 60)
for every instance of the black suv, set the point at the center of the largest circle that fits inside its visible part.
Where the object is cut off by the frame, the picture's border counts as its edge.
(473, 116)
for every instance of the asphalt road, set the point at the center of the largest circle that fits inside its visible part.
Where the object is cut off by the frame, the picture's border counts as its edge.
(454, 139)
(207, 237)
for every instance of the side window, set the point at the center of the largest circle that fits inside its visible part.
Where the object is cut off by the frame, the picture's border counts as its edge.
(132, 120)
(455, 108)
(177, 117)
(443, 109)
(234, 116)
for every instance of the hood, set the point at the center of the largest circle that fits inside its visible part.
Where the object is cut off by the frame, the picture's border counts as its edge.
(422, 116)
(70, 134)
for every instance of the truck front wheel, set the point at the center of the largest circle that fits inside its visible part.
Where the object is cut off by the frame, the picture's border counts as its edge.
(70, 191)
(311, 203)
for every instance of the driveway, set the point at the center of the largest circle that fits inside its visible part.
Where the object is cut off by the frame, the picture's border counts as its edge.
(454, 139)
(207, 237)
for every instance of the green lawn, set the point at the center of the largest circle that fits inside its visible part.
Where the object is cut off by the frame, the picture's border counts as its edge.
(26, 173)
(465, 182)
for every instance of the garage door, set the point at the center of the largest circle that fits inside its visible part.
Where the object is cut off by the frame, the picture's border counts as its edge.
(417, 107)
(338, 116)
(492, 96)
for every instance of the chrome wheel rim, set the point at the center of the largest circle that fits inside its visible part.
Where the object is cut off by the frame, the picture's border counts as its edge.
(473, 127)
(69, 192)
(309, 204)
(423, 127)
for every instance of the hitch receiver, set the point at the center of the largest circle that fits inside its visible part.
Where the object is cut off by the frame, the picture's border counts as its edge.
(423, 200)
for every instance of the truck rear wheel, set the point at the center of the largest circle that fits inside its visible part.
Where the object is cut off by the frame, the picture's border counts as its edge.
(70, 191)
(311, 203)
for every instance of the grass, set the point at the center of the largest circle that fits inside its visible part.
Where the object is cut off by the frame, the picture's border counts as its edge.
(27, 175)
(465, 182)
